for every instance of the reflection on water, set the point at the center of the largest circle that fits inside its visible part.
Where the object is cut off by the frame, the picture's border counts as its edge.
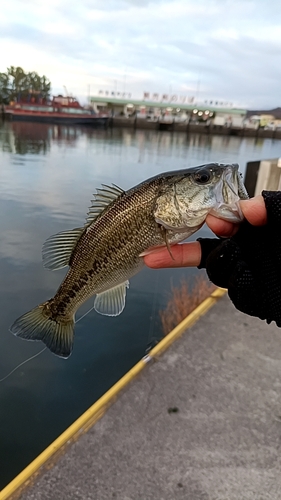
(48, 174)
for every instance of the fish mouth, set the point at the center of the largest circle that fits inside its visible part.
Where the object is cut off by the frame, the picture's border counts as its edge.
(231, 213)
(228, 191)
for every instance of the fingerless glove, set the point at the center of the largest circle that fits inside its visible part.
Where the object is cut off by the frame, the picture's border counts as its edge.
(249, 263)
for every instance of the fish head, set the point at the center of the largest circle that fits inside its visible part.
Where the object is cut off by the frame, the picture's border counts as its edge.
(191, 194)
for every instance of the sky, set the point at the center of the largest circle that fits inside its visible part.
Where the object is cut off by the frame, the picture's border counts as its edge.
(222, 50)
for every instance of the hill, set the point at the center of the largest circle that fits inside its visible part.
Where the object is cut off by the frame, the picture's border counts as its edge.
(276, 112)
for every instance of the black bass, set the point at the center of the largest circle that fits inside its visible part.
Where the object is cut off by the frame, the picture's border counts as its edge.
(122, 227)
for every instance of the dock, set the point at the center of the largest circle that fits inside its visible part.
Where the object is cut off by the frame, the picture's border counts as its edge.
(201, 421)
(191, 128)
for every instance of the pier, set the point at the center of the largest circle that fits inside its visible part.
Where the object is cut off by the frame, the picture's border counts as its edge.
(191, 128)
(201, 421)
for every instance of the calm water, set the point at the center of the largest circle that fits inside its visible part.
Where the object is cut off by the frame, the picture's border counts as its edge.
(48, 174)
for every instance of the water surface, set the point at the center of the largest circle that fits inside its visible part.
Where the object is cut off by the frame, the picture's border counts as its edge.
(47, 177)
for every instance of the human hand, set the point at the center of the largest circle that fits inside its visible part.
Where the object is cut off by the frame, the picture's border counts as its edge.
(246, 259)
(190, 254)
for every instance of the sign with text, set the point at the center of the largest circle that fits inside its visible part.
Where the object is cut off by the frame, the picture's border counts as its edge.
(168, 98)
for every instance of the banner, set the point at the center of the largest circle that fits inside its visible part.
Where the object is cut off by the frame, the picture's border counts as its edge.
(113, 93)
(166, 98)
(225, 104)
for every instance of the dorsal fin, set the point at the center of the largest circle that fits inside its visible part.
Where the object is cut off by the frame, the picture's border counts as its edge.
(102, 198)
(57, 249)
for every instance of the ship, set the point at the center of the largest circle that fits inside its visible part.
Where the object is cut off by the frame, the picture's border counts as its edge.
(60, 110)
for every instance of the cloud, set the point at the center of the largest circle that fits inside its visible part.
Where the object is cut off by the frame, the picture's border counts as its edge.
(231, 47)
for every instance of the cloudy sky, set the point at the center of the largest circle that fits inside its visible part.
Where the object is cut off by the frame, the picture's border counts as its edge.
(228, 50)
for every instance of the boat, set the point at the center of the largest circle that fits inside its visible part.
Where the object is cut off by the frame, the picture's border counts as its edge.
(62, 109)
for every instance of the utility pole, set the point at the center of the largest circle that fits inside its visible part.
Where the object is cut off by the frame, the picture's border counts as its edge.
(125, 77)
(198, 88)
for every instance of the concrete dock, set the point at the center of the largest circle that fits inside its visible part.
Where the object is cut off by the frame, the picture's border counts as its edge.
(192, 128)
(203, 422)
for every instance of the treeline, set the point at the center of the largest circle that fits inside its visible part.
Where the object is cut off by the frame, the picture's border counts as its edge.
(16, 85)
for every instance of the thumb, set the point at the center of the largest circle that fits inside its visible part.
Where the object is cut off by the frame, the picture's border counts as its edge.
(254, 210)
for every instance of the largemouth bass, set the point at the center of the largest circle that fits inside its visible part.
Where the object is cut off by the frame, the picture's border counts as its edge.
(120, 228)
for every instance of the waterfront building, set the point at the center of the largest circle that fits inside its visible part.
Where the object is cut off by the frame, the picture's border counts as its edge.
(152, 110)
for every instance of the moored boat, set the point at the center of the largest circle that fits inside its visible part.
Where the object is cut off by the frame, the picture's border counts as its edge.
(64, 110)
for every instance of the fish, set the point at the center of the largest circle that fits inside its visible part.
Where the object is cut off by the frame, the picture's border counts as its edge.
(121, 227)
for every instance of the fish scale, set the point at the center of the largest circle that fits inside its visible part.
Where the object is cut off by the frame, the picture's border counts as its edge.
(122, 227)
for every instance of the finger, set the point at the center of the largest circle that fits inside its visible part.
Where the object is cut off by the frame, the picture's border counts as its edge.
(185, 255)
(254, 210)
(221, 227)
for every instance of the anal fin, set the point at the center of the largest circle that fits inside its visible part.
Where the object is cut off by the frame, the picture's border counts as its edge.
(112, 301)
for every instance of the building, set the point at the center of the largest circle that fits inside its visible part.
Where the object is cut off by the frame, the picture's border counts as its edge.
(169, 111)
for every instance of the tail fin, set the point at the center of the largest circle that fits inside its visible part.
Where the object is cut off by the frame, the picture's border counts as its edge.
(36, 325)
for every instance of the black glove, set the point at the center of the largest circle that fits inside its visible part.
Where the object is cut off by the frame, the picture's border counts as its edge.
(249, 263)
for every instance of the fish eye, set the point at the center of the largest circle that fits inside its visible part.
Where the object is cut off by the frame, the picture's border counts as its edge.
(202, 176)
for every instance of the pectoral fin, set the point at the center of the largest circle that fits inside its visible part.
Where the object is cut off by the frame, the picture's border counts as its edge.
(151, 250)
(165, 238)
(111, 302)
(166, 244)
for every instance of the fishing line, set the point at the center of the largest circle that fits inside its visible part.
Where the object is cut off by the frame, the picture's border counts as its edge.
(38, 353)
(81, 317)
(150, 339)
(23, 363)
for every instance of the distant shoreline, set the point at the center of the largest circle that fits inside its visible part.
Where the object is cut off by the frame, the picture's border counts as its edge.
(174, 126)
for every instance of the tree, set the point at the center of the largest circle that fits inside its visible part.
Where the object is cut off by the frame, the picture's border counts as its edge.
(39, 85)
(4, 88)
(17, 85)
